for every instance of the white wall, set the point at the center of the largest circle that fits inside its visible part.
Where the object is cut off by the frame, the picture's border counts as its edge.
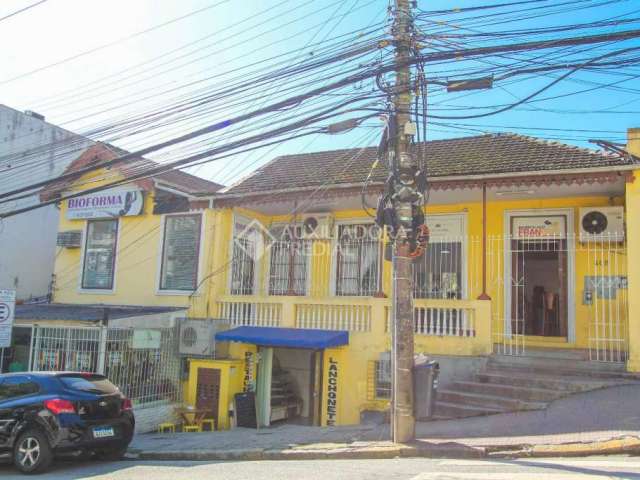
(31, 150)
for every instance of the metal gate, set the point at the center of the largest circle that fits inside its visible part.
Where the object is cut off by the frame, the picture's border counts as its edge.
(588, 299)
(606, 299)
(143, 363)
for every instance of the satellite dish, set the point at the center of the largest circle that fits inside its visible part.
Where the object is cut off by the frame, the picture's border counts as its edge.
(594, 222)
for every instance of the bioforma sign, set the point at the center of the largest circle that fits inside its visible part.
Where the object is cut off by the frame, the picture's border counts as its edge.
(106, 204)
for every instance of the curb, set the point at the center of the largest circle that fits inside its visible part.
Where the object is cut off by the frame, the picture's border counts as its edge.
(387, 450)
(628, 445)
(352, 451)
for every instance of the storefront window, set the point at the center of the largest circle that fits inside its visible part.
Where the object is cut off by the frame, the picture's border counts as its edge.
(358, 260)
(180, 252)
(100, 254)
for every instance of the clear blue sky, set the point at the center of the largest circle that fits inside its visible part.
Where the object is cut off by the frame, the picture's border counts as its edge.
(144, 64)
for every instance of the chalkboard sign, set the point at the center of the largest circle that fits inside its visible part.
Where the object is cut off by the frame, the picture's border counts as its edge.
(246, 410)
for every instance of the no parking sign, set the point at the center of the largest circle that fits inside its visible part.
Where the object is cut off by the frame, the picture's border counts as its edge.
(7, 309)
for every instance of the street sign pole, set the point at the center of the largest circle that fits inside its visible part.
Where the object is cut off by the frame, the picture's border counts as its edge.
(7, 314)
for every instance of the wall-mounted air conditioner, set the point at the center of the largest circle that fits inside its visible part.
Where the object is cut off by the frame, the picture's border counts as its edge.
(69, 239)
(317, 226)
(601, 224)
(197, 337)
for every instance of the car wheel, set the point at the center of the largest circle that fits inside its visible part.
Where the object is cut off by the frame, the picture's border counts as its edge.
(32, 453)
(112, 454)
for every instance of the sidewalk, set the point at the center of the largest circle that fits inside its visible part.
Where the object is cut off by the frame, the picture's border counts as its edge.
(598, 422)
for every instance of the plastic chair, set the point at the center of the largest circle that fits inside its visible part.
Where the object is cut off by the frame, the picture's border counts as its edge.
(191, 428)
(167, 427)
(210, 422)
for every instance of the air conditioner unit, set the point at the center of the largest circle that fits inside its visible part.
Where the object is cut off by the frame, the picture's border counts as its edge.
(602, 224)
(318, 226)
(197, 337)
(69, 239)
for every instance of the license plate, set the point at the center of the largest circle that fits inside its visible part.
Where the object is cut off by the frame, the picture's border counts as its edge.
(103, 432)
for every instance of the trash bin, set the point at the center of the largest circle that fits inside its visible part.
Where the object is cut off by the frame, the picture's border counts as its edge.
(425, 388)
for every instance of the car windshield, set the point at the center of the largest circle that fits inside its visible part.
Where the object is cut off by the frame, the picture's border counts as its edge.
(88, 383)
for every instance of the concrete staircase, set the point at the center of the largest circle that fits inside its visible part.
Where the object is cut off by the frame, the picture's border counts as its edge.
(528, 382)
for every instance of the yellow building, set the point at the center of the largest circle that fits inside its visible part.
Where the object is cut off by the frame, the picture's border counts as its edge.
(138, 244)
(533, 248)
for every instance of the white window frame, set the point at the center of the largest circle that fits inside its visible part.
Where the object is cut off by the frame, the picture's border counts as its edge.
(569, 214)
(238, 218)
(462, 217)
(308, 267)
(334, 254)
(163, 220)
(85, 232)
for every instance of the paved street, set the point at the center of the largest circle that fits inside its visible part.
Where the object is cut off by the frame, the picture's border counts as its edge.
(398, 469)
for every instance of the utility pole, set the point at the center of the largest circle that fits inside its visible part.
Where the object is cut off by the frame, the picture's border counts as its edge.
(403, 200)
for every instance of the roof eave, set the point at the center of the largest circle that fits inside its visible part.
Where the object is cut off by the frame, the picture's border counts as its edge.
(441, 179)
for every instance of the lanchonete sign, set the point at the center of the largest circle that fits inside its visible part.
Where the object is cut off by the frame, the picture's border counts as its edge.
(106, 204)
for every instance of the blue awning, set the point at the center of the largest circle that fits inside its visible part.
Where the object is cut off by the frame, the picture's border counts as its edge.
(285, 337)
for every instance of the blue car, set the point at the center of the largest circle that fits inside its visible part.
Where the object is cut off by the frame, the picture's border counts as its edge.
(46, 414)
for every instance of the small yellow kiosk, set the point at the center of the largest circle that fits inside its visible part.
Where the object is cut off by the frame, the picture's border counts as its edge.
(294, 374)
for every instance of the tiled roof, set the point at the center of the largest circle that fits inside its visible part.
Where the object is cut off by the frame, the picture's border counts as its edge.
(184, 181)
(102, 152)
(478, 155)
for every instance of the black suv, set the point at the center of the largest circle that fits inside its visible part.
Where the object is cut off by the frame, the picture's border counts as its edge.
(44, 414)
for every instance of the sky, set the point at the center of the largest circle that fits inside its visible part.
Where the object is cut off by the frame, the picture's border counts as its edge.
(124, 70)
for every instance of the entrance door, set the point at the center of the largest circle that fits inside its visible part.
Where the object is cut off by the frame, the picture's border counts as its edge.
(208, 391)
(539, 294)
(539, 263)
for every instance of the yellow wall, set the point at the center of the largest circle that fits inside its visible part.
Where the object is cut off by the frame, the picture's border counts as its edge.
(583, 264)
(140, 240)
(633, 238)
(496, 210)
(137, 261)
(137, 276)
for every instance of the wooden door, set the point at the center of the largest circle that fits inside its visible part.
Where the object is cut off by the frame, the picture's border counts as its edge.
(208, 391)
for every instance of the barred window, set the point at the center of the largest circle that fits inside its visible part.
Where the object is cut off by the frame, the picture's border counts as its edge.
(180, 252)
(246, 243)
(358, 260)
(100, 254)
(383, 379)
(288, 265)
(438, 273)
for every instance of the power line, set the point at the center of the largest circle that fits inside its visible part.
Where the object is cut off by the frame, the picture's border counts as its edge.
(110, 44)
(295, 100)
(28, 7)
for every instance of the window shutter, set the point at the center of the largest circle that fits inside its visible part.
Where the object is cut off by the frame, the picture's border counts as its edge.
(99, 254)
(180, 255)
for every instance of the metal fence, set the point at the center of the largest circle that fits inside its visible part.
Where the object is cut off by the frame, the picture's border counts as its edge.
(560, 286)
(143, 363)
